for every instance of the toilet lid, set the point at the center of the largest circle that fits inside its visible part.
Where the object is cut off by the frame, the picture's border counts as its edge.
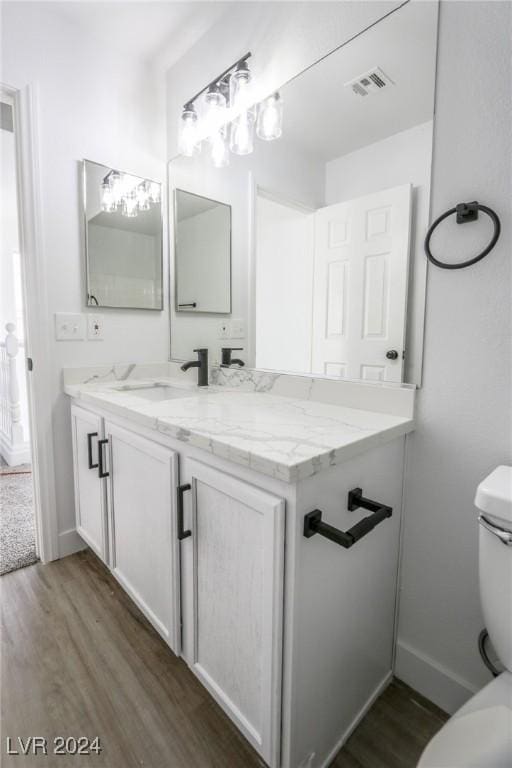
(478, 739)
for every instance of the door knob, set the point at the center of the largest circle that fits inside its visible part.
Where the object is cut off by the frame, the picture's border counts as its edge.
(392, 354)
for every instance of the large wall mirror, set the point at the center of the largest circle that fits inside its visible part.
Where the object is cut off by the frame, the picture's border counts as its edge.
(328, 272)
(123, 239)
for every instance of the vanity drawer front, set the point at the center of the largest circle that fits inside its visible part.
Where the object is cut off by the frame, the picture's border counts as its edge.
(232, 571)
(142, 511)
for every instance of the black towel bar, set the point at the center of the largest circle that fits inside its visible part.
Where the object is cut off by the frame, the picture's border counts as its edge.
(313, 521)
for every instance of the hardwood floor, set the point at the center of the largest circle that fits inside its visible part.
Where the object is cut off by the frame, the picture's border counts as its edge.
(394, 732)
(79, 659)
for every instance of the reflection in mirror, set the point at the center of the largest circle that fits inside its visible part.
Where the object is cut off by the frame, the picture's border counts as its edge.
(328, 220)
(202, 231)
(123, 239)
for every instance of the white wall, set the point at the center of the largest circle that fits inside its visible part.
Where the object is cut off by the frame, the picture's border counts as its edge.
(284, 282)
(96, 104)
(403, 158)
(464, 408)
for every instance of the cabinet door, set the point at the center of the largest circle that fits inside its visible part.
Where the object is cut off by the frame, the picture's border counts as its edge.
(90, 501)
(232, 571)
(144, 546)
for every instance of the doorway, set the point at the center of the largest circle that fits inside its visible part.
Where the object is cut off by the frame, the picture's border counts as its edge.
(18, 540)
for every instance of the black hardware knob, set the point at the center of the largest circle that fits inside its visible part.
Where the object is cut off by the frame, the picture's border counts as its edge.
(392, 354)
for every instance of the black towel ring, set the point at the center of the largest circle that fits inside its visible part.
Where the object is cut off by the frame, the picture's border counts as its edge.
(465, 212)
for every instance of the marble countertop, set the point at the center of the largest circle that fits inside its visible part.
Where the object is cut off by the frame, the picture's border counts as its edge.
(284, 437)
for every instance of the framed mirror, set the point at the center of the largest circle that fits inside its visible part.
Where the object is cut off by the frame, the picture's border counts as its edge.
(328, 218)
(202, 247)
(123, 239)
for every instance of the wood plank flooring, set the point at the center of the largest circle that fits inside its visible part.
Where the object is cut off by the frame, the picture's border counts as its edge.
(79, 659)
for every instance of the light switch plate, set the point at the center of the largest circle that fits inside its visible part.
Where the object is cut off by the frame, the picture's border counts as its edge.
(69, 326)
(237, 329)
(95, 327)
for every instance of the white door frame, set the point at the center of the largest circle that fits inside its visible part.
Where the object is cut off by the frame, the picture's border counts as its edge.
(35, 308)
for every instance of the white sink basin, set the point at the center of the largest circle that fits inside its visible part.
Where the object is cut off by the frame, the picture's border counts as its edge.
(155, 392)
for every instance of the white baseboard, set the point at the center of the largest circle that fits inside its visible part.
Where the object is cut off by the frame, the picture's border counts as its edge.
(434, 681)
(70, 542)
(357, 719)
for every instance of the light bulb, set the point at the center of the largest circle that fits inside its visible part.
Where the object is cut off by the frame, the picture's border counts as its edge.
(154, 191)
(107, 199)
(117, 186)
(219, 149)
(240, 90)
(142, 194)
(215, 110)
(270, 118)
(130, 205)
(188, 140)
(242, 134)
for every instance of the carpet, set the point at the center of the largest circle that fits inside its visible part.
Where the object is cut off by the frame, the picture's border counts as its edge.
(17, 525)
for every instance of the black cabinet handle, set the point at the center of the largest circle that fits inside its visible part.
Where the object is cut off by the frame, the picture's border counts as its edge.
(313, 521)
(90, 436)
(192, 304)
(101, 470)
(182, 534)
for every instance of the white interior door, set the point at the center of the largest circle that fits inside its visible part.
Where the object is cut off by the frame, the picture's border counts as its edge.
(360, 286)
(144, 545)
(232, 571)
(90, 500)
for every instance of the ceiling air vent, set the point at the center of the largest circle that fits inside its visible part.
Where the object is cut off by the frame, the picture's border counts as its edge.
(372, 81)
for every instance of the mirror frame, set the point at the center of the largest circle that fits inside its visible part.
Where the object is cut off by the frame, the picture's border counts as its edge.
(173, 273)
(161, 307)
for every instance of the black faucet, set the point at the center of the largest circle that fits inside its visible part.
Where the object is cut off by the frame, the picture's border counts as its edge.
(202, 364)
(226, 360)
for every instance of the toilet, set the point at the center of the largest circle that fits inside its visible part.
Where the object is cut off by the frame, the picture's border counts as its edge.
(479, 735)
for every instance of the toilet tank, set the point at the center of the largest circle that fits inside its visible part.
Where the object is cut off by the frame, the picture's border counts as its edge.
(494, 500)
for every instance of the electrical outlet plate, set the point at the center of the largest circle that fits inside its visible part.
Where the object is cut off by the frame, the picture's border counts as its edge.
(69, 326)
(224, 329)
(95, 327)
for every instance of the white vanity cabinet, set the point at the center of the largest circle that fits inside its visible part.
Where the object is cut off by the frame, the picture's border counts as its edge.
(90, 498)
(292, 635)
(232, 586)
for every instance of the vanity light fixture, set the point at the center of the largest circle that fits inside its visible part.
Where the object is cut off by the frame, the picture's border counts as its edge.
(270, 118)
(129, 208)
(108, 202)
(115, 179)
(242, 134)
(219, 148)
(121, 191)
(189, 145)
(226, 113)
(143, 196)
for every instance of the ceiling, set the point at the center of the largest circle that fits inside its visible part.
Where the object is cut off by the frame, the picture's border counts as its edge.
(327, 120)
(156, 31)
